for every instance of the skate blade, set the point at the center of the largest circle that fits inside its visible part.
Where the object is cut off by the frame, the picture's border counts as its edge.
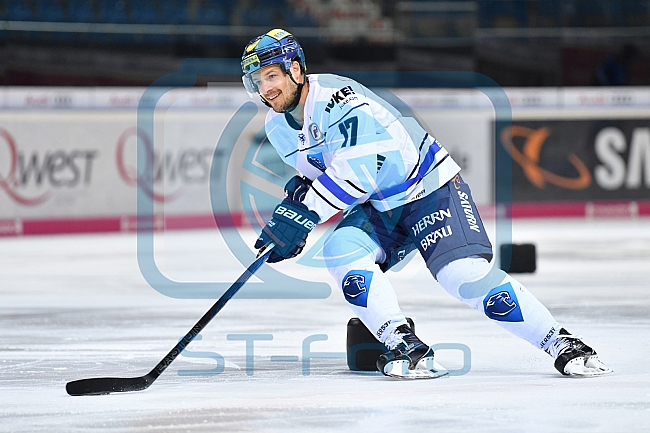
(589, 367)
(400, 369)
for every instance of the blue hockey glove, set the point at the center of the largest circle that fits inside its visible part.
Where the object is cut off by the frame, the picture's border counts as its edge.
(297, 187)
(288, 229)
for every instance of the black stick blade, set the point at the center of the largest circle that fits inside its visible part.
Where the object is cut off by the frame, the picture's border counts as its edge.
(107, 385)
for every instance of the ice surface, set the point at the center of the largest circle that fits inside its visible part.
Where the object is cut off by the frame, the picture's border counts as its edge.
(77, 306)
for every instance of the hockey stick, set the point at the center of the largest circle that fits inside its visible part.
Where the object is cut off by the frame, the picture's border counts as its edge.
(107, 385)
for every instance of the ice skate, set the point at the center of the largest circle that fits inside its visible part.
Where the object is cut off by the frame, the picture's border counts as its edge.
(574, 358)
(408, 358)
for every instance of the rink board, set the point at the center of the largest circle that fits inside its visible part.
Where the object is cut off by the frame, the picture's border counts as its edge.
(70, 158)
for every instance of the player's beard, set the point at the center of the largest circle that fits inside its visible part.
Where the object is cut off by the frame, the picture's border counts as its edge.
(290, 99)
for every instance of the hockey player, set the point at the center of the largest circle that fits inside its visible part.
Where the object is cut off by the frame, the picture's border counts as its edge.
(399, 190)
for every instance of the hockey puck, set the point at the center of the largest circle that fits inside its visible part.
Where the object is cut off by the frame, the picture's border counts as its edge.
(522, 258)
(363, 349)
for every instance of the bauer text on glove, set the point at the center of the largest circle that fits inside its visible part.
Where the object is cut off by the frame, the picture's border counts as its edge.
(288, 229)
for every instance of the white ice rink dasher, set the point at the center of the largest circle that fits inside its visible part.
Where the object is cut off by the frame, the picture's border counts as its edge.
(77, 306)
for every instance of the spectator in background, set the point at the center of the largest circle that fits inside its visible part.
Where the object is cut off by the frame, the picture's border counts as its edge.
(615, 69)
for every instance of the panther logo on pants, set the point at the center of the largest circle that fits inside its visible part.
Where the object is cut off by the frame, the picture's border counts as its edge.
(501, 304)
(355, 287)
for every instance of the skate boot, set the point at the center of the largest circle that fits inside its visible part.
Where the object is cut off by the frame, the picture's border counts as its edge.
(574, 358)
(408, 357)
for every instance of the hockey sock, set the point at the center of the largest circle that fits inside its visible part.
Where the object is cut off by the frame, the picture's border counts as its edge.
(501, 298)
(351, 257)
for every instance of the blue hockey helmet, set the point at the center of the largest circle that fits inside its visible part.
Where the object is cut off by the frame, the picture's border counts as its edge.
(274, 47)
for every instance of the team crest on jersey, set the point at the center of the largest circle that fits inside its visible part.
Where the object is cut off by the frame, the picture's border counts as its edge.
(315, 132)
(501, 304)
(317, 161)
(355, 287)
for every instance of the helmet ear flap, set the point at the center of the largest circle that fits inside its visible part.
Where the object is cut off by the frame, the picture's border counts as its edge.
(265, 102)
(297, 58)
(301, 69)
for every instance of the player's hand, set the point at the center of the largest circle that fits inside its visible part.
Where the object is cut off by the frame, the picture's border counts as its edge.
(297, 187)
(288, 229)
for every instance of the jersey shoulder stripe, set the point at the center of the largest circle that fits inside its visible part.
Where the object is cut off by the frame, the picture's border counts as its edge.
(336, 190)
(329, 203)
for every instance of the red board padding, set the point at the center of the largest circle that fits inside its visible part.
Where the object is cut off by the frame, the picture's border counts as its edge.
(595, 209)
(76, 225)
(18, 227)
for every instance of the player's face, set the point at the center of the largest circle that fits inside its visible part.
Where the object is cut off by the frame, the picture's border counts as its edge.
(275, 87)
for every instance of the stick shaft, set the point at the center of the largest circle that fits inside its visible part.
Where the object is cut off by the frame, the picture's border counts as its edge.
(107, 385)
(208, 316)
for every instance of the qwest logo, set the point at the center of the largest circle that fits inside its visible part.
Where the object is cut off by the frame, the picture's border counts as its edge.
(37, 170)
(184, 167)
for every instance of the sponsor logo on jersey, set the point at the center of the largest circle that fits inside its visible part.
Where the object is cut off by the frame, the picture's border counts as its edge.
(419, 195)
(469, 211)
(295, 216)
(434, 236)
(501, 304)
(315, 132)
(456, 181)
(355, 287)
(430, 220)
(341, 97)
(302, 138)
(317, 161)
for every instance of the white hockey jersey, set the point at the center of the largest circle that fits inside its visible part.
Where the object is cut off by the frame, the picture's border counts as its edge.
(356, 147)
